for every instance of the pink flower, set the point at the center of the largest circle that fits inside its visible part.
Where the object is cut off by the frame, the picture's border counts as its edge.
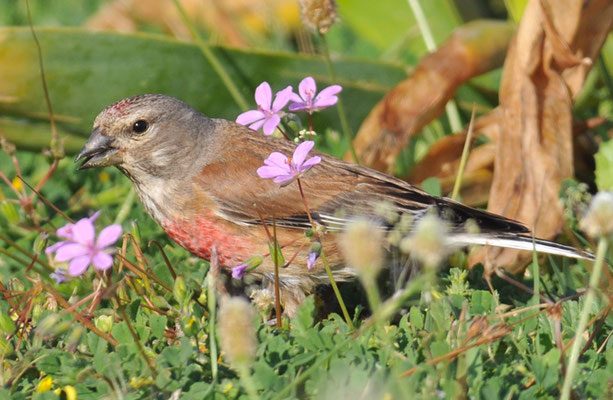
(267, 116)
(313, 254)
(82, 248)
(307, 101)
(283, 169)
(239, 271)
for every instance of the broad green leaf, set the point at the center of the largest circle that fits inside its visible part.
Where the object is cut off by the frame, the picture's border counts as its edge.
(387, 26)
(604, 166)
(515, 8)
(86, 71)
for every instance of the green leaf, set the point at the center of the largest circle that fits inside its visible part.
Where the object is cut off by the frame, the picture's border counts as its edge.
(433, 186)
(481, 301)
(304, 318)
(121, 332)
(387, 26)
(604, 166)
(86, 71)
(158, 325)
(416, 318)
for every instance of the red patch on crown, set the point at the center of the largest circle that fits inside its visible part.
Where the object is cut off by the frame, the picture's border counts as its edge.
(119, 106)
(199, 236)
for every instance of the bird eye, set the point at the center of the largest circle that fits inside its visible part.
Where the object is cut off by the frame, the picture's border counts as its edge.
(140, 126)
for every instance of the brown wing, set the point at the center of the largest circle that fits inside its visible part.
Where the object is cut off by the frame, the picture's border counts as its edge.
(335, 190)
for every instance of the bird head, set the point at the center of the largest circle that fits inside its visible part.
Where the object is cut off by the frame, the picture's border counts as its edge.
(145, 135)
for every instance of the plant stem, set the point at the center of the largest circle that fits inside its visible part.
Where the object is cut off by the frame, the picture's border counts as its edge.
(275, 260)
(212, 59)
(583, 317)
(465, 151)
(125, 208)
(212, 306)
(340, 107)
(247, 381)
(141, 349)
(450, 108)
(341, 303)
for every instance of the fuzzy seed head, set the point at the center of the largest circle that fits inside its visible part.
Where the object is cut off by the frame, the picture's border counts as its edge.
(598, 220)
(237, 332)
(318, 15)
(428, 242)
(263, 299)
(362, 247)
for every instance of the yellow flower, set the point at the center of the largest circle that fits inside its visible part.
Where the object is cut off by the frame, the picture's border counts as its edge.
(69, 392)
(45, 384)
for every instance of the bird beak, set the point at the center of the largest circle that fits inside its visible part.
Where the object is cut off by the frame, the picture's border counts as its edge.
(98, 151)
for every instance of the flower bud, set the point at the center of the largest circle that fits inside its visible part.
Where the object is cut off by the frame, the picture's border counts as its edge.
(362, 247)
(598, 221)
(237, 332)
(318, 15)
(428, 243)
(104, 323)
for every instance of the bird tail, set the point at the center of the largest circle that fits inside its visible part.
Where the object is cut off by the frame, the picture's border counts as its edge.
(519, 242)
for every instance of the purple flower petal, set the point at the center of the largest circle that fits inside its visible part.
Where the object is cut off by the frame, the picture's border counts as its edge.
(108, 236)
(330, 91)
(281, 99)
(285, 180)
(311, 259)
(95, 216)
(307, 88)
(102, 261)
(59, 275)
(301, 152)
(239, 271)
(300, 106)
(257, 124)
(310, 163)
(54, 247)
(270, 172)
(70, 251)
(250, 116)
(295, 98)
(277, 159)
(78, 265)
(263, 96)
(65, 231)
(270, 124)
(84, 232)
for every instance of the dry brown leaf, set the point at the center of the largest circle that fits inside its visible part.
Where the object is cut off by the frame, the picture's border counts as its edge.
(443, 159)
(546, 66)
(473, 49)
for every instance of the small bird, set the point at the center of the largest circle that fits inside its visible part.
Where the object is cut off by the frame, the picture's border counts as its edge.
(196, 177)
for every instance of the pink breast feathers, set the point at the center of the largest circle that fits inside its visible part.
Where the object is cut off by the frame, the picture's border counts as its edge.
(199, 236)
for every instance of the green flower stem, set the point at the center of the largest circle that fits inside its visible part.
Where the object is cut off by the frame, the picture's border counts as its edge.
(212, 305)
(339, 106)
(341, 303)
(125, 208)
(465, 151)
(372, 292)
(450, 108)
(212, 59)
(247, 381)
(325, 260)
(583, 318)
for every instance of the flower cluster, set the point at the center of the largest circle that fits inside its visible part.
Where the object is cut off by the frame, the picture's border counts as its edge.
(81, 247)
(268, 114)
